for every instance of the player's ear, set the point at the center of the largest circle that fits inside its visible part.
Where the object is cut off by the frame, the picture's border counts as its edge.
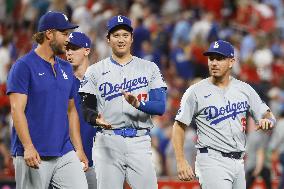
(108, 36)
(49, 34)
(231, 62)
(131, 37)
(87, 51)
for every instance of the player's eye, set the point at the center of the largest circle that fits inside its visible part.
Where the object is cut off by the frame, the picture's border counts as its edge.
(218, 58)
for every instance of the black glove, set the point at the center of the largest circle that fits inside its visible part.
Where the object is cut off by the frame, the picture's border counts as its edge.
(89, 107)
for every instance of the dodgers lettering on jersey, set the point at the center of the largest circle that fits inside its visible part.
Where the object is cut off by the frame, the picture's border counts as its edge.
(220, 114)
(107, 78)
(215, 115)
(110, 91)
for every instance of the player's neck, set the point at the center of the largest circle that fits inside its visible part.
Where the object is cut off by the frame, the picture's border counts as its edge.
(122, 59)
(45, 53)
(79, 71)
(221, 82)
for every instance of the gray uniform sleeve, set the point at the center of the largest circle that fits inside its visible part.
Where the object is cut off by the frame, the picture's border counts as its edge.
(88, 84)
(188, 107)
(257, 107)
(157, 80)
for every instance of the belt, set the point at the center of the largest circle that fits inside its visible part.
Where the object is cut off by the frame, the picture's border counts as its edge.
(233, 155)
(127, 132)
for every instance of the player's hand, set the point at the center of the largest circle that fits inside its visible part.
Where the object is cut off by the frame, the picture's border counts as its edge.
(100, 121)
(131, 99)
(31, 157)
(274, 156)
(185, 172)
(83, 158)
(256, 171)
(265, 124)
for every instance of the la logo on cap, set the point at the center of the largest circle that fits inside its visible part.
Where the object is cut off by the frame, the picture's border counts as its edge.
(119, 19)
(66, 18)
(216, 45)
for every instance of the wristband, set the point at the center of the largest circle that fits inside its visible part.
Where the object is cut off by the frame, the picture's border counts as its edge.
(273, 121)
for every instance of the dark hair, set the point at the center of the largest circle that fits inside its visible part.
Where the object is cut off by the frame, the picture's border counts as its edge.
(39, 37)
(125, 27)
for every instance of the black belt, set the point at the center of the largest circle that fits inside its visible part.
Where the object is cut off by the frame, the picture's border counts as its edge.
(48, 158)
(233, 155)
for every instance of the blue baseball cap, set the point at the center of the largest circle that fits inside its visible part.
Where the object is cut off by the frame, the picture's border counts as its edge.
(119, 21)
(79, 39)
(54, 20)
(220, 47)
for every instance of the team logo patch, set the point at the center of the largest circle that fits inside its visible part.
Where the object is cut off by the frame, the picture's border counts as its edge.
(66, 18)
(216, 45)
(119, 19)
(64, 74)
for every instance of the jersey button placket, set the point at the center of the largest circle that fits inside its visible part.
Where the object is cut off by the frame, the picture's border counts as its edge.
(122, 76)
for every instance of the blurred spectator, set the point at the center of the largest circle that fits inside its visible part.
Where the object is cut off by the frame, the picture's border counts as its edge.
(277, 146)
(198, 46)
(263, 58)
(82, 17)
(257, 163)
(148, 53)
(181, 59)
(181, 29)
(140, 34)
(5, 59)
(61, 6)
(189, 150)
(202, 27)
(248, 45)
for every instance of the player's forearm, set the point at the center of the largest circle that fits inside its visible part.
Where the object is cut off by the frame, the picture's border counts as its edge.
(260, 156)
(153, 107)
(74, 128)
(178, 136)
(18, 103)
(156, 104)
(21, 126)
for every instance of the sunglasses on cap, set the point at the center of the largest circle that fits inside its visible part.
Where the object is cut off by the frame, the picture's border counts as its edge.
(217, 57)
(72, 47)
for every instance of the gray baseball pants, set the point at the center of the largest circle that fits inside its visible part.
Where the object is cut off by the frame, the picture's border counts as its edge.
(215, 171)
(118, 159)
(57, 173)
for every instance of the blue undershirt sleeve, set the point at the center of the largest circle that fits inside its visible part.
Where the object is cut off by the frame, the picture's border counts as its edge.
(156, 104)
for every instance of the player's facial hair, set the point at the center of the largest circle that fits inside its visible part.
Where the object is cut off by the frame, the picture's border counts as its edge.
(56, 47)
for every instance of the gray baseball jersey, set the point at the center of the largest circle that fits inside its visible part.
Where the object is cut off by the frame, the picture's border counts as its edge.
(107, 78)
(220, 114)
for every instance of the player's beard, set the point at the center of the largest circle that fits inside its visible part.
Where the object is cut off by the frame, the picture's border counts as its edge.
(56, 48)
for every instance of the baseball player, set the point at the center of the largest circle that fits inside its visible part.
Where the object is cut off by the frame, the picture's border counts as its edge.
(77, 51)
(219, 106)
(129, 91)
(40, 88)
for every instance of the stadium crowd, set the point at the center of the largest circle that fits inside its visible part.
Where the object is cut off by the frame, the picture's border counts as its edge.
(173, 34)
